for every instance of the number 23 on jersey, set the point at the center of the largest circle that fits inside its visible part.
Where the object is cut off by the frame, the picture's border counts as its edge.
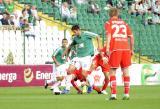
(119, 31)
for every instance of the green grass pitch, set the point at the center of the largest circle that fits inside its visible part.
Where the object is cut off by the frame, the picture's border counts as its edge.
(141, 97)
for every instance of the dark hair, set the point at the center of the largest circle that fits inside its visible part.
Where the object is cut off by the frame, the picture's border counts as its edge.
(75, 27)
(64, 39)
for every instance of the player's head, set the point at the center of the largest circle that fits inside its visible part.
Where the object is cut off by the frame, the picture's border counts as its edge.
(76, 30)
(64, 42)
(114, 12)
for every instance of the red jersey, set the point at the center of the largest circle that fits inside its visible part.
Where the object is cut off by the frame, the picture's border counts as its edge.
(78, 74)
(103, 51)
(120, 32)
(98, 61)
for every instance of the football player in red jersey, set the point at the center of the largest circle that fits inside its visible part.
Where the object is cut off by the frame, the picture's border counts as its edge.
(101, 59)
(119, 50)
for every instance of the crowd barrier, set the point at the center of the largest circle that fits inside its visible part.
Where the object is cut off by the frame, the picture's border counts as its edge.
(35, 75)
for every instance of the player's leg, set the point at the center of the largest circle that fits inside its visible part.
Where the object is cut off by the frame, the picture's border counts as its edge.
(106, 82)
(114, 62)
(71, 69)
(126, 62)
(73, 82)
(113, 83)
(105, 70)
(126, 79)
(97, 89)
(84, 86)
(68, 79)
(57, 78)
(52, 80)
(89, 79)
(73, 66)
(56, 82)
(55, 87)
(93, 87)
(60, 75)
(49, 82)
(85, 62)
(68, 82)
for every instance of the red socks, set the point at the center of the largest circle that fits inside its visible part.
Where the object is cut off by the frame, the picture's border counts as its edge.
(97, 89)
(75, 85)
(113, 84)
(126, 84)
(106, 81)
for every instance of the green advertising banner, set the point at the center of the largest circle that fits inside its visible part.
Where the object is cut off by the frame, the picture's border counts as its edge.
(150, 74)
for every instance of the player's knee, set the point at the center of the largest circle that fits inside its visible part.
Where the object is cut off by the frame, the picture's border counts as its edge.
(106, 75)
(70, 70)
(112, 72)
(125, 71)
(60, 78)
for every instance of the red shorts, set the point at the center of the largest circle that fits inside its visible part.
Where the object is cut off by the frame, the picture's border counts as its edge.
(78, 74)
(99, 62)
(120, 58)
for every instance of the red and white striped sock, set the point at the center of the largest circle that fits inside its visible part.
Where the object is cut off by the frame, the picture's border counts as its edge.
(113, 85)
(126, 85)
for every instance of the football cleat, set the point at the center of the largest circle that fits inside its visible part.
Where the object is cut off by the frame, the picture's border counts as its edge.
(79, 92)
(99, 92)
(46, 85)
(89, 89)
(84, 89)
(65, 91)
(112, 98)
(57, 93)
(125, 98)
(104, 92)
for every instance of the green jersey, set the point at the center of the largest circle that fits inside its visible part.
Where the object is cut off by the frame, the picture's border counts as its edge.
(73, 53)
(84, 44)
(58, 55)
(32, 20)
(9, 7)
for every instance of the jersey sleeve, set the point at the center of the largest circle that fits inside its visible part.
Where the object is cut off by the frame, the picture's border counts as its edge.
(107, 27)
(73, 42)
(56, 52)
(129, 31)
(90, 34)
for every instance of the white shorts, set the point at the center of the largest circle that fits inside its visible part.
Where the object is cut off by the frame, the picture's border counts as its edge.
(61, 70)
(83, 62)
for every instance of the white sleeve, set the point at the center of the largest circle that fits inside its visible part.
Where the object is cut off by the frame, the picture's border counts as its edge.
(91, 34)
(56, 51)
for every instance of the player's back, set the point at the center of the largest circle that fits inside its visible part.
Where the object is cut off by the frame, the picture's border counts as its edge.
(119, 31)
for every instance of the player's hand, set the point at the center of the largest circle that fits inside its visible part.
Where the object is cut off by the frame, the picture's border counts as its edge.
(63, 55)
(105, 60)
(57, 64)
(132, 52)
(107, 52)
(99, 50)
